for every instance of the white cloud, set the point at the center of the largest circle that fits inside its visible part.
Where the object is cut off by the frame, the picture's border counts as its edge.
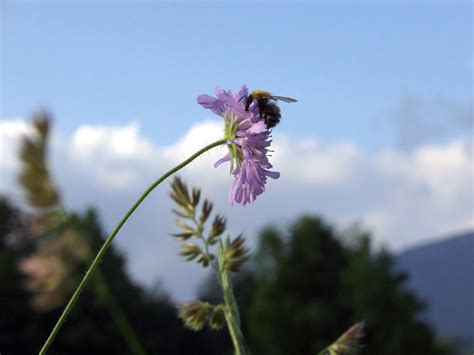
(114, 155)
(113, 142)
(310, 162)
(404, 197)
(447, 170)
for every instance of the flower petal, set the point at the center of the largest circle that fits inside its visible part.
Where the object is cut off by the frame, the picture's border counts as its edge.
(211, 103)
(272, 174)
(222, 160)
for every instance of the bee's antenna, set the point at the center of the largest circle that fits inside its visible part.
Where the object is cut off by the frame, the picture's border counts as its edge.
(245, 96)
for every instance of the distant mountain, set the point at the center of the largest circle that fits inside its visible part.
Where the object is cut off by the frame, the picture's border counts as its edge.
(442, 274)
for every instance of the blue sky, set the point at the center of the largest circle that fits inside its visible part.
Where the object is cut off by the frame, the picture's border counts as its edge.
(381, 135)
(350, 64)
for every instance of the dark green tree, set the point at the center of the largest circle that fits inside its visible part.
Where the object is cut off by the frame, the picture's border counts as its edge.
(311, 286)
(16, 314)
(375, 291)
(90, 329)
(307, 286)
(298, 306)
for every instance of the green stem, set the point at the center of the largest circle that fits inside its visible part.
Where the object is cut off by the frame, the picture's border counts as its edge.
(118, 314)
(232, 317)
(199, 229)
(231, 309)
(108, 241)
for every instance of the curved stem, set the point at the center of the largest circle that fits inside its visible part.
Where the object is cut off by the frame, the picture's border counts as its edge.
(108, 241)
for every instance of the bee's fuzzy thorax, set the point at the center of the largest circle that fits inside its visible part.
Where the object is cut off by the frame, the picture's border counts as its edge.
(260, 93)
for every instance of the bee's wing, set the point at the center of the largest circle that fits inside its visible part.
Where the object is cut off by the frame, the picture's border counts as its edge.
(284, 99)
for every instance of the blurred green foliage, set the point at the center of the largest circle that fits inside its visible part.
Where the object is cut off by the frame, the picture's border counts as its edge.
(303, 289)
(89, 330)
(306, 286)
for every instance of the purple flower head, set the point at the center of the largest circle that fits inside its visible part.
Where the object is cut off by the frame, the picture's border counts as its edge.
(248, 140)
(228, 100)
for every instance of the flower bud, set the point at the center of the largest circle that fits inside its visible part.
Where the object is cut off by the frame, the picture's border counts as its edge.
(205, 260)
(196, 194)
(236, 254)
(190, 251)
(218, 227)
(194, 314)
(217, 318)
(349, 342)
(180, 195)
(187, 231)
(206, 211)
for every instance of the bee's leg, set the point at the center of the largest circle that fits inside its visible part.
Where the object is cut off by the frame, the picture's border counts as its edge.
(248, 101)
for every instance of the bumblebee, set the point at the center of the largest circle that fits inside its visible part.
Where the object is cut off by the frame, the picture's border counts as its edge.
(269, 110)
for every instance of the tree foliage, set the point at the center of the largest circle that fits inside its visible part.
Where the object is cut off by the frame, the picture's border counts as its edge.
(308, 285)
(90, 329)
